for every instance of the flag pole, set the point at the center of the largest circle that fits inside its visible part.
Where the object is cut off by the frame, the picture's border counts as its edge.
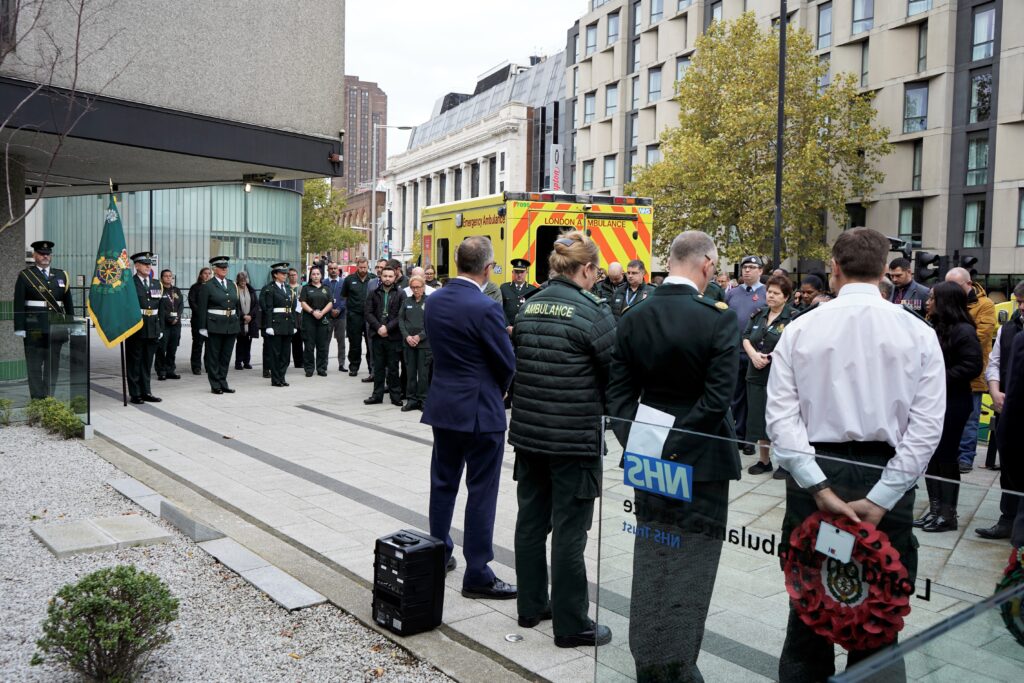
(124, 383)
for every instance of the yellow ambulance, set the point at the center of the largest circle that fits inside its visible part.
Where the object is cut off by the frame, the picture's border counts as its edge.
(526, 225)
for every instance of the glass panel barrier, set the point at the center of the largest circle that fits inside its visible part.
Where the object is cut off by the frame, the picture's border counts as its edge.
(708, 572)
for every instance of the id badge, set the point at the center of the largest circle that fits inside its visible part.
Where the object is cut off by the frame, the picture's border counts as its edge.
(834, 542)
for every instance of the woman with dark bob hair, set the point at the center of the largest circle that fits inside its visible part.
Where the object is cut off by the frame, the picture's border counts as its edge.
(947, 312)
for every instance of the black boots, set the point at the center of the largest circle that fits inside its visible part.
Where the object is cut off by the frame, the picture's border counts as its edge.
(949, 495)
(933, 504)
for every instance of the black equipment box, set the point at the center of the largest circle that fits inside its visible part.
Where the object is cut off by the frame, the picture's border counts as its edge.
(408, 582)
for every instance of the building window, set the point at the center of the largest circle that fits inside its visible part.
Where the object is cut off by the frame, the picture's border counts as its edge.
(653, 154)
(430, 188)
(716, 11)
(825, 26)
(977, 159)
(915, 107)
(1020, 219)
(576, 81)
(613, 27)
(657, 10)
(865, 63)
(442, 187)
(653, 84)
(863, 15)
(634, 130)
(474, 180)
(856, 216)
(682, 64)
(597, 3)
(683, 4)
(572, 152)
(922, 47)
(974, 222)
(588, 107)
(911, 221)
(636, 56)
(457, 190)
(609, 171)
(572, 113)
(588, 175)
(918, 6)
(984, 35)
(915, 173)
(981, 97)
(492, 175)
(630, 165)
(611, 99)
(637, 18)
(635, 94)
(501, 162)
(591, 45)
(576, 48)
(826, 78)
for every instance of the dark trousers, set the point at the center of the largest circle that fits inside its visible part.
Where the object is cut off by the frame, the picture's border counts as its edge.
(369, 335)
(355, 330)
(42, 363)
(806, 656)
(139, 354)
(166, 349)
(277, 356)
(218, 359)
(739, 400)
(338, 333)
(993, 448)
(672, 583)
(417, 361)
(386, 353)
(316, 340)
(480, 454)
(243, 349)
(556, 496)
(196, 359)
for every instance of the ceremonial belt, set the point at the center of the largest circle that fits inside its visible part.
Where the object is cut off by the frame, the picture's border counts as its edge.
(149, 311)
(44, 290)
(172, 314)
(280, 310)
(228, 313)
(37, 304)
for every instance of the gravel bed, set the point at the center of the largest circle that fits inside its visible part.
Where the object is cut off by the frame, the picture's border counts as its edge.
(226, 631)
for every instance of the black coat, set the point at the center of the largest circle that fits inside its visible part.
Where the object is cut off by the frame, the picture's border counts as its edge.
(563, 339)
(676, 351)
(1010, 428)
(962, 354)
(149, 300)
(376, 315)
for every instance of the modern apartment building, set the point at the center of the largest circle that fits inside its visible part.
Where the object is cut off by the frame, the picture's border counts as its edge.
(366, 105)
(947, 77)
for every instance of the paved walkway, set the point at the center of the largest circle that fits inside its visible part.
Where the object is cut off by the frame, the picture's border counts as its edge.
(314, 466)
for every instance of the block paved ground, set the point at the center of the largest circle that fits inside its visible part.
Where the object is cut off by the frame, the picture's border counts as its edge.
(315, 466)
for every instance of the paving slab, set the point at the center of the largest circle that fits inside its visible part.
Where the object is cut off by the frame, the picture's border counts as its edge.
(73, 538)
(132, 530)
(195, 530)
(131, 488)
(234, 555)
(150, 504)
(282, 588)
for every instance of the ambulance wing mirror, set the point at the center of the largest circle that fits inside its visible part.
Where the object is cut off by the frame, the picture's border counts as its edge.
(1004, 316)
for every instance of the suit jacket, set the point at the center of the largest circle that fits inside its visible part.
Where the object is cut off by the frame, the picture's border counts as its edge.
(473, 359)
(1010, 427)
(676, 351)
(213, 297)
(281, 321)
(915, 297)
(149, 300)
(44, 293)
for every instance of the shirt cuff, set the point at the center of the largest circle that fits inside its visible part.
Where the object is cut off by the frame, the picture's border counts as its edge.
(802, 466)
(884, 495)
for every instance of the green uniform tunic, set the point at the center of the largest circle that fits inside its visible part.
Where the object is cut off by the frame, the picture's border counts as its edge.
(278, 306)
(220, 316)
(40, 300)
(512, 298)
(316, 334)
(763, 337)
(140, 348)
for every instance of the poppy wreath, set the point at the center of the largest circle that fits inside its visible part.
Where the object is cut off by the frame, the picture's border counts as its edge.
(858, 605)
(1013, 576)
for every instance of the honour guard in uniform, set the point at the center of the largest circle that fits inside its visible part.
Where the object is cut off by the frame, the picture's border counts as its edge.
(171, 307)
(42, 295)
(278, 302)
(218, 318)
(140, 348)
(514, 293)
(315, 299)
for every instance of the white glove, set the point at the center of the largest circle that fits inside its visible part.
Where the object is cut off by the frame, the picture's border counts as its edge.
(160, 336)
(19, 333)
(204, 333)
(269, 332)
(294, 330)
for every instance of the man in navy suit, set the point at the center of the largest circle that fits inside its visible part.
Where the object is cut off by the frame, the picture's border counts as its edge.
(1009, 433)
(473, 368)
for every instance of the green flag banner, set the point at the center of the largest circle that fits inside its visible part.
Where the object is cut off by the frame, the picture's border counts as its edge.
(113, 303)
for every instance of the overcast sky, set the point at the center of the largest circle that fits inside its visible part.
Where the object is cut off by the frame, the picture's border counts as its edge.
(418, 50)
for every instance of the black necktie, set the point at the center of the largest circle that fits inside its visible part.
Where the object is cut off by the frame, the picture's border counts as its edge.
(749, 289)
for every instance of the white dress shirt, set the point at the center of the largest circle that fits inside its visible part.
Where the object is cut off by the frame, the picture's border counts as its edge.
(680, 280)
(994, 359)
(857, 369)
(479, 286)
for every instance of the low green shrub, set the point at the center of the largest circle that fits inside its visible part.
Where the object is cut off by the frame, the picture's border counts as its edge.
(79, 405)
(5, 411)
(108, 624)
(54, 416)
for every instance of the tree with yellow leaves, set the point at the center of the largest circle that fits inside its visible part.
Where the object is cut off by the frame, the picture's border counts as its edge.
(717, 172)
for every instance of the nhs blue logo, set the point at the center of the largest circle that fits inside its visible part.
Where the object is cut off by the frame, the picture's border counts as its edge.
(664, 477)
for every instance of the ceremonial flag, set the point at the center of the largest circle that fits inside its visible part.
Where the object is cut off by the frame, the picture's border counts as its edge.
(113, 302)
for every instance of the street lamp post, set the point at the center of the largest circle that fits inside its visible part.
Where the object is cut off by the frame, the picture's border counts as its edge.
(373, 190)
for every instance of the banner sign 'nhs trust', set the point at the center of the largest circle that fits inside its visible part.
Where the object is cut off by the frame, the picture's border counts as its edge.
(664, 477)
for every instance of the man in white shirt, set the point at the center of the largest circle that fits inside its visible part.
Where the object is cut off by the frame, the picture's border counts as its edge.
(861, 380)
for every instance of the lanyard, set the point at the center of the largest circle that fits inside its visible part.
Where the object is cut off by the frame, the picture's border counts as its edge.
(629, 301)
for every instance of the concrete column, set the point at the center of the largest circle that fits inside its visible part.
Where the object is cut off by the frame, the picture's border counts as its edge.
(449, 184)
(467, 179)
(435, 188)
(12, 252)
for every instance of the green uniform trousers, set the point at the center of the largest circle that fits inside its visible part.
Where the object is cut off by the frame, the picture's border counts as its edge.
(417, 363)
(42, 363)
(166, 350)
(316, 340)
(277, 351)
(556, 495)
(218, 358)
